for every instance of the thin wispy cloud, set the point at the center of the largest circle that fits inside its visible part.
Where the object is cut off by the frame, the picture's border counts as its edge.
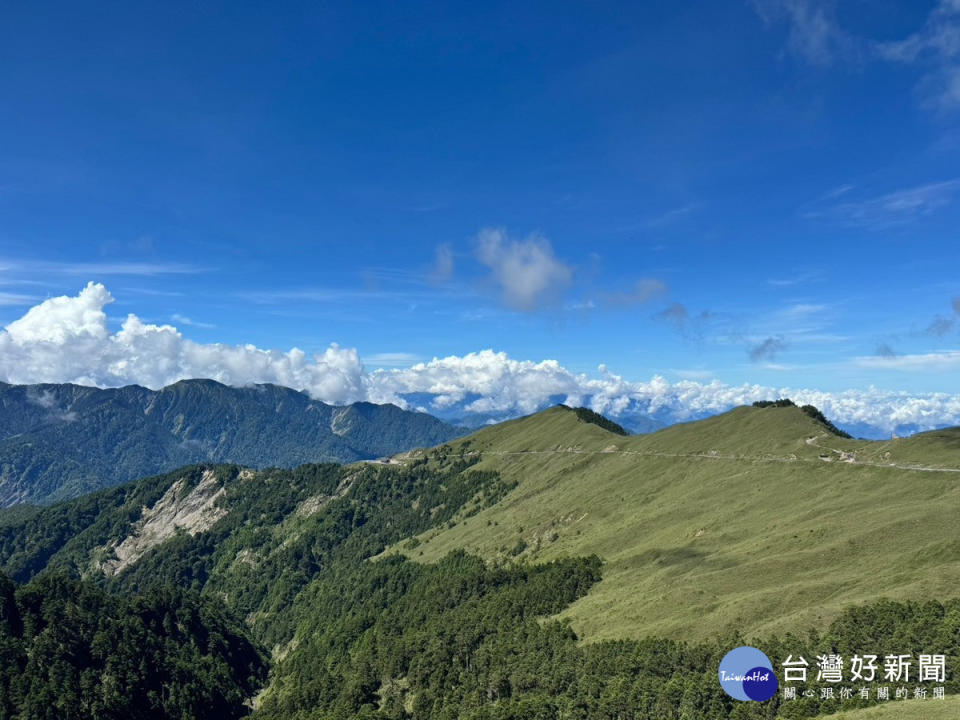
(103, 269)
(885, 351)
(898, 207)
(690, 325)
(838, 191)
(815, 36)
(673, 215)
(443, 265)
(643, 291)
(918, 362)
(189, 322)
(151, 292)
(694, 374)
(802, 278)
(767, 350)
(391, 359)
(328, 295)
(15, 299)
(943, 325)
(813, 33)
(675, 313)
(799, 311)
(936, 48)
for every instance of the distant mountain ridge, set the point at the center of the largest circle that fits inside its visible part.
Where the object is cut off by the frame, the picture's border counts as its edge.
(62, 440)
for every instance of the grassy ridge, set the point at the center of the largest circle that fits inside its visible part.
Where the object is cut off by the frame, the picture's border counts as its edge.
(754, 520)
(946, 709)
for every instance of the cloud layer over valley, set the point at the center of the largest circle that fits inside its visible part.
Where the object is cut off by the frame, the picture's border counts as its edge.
(67, 339)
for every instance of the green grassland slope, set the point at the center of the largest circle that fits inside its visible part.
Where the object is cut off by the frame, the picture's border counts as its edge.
(946, 709)
(758, 520)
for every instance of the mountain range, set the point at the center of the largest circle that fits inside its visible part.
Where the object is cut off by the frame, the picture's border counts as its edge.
(61, 440)
(550, 566)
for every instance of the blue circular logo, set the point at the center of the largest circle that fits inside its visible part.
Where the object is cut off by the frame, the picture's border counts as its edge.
(747, 674)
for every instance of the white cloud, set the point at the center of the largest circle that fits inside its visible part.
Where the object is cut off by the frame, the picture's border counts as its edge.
(692, 374)
(15, 299)
(815, 36)
(184, 320)
(391, 359)
(442, 265)
(921, 362)
(673, 215)
(937, 46)
(803, 278)
(813, 32)
(60, 319)
(66, 339)
(939, 36)
(643, 291)
(142, 269)
(896, 207)
(527, 272)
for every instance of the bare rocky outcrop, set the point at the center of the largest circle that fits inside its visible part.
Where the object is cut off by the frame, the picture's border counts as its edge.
(341, 421)
(316, 503)
(192, 510)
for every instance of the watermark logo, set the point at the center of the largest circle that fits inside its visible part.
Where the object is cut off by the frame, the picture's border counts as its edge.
(747, 674)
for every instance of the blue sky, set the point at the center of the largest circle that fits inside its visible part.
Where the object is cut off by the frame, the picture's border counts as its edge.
(753, 192)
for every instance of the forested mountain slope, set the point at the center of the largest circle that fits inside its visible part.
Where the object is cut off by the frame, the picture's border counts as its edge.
(508, 534)
(59, 441)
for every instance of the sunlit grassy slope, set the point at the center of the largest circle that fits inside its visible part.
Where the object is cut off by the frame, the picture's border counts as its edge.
(757, 520)
(946, 709)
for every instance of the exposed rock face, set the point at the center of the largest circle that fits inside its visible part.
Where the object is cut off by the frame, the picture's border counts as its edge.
(340, 422)
(316, 503)
(194, 511)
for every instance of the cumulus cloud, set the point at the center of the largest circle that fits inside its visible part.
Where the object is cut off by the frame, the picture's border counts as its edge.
(66, 339)
(527, 272)
(492, 383)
